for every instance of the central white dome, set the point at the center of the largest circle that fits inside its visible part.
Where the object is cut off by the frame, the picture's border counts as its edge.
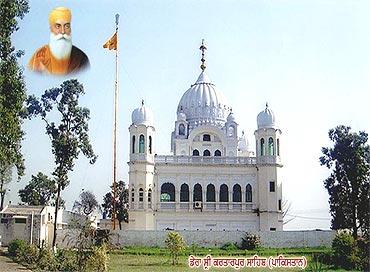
(204, 104)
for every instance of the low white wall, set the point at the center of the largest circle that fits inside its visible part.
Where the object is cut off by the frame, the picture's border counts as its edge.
(11, 230)
(276, 239)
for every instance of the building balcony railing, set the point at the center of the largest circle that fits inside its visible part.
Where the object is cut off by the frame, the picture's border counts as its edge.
(141, 157)
(237, 206)
(210, 206)
(207, 206)
(269, 160)
(168, 159)
(184, 206)
(167, 205)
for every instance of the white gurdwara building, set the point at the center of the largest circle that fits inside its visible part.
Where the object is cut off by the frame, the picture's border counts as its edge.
(213, 181)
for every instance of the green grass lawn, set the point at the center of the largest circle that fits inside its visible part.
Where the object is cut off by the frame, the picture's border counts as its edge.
(157, 259)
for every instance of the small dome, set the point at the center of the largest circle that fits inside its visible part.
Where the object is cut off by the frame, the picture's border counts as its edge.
(142, 116)
(266, 118)
(181, 116)
(231, 117)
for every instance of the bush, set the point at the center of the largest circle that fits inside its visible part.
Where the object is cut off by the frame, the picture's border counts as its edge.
(88, 259)
(66, 260)
(229, 246)
(175, 244)
(15, 246)
(323, 257)
(344, 251)
(363, 253)
(98, 260)
(28, 255)
(251, 241)
(102, 236)
(47, 261)
(315, 265)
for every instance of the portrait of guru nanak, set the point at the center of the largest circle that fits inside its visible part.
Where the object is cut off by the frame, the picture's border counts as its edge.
(59, 57)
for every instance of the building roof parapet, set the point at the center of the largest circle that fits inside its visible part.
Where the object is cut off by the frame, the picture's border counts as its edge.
(169, 159)
(22, 209)
(269, 160)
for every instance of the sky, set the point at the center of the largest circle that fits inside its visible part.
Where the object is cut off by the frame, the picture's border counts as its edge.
(310, 60)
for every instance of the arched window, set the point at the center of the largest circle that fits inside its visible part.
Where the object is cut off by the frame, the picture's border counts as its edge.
(141, 144)
(206, 153)
(248, 193)
(149, 195)
(184, 193)
(262, 146)
(206, 137)
(230, 131)
(167, 192)
(141, 195)
(237, 193)
(224, 193)
(132, 195)
(150, 144)
(181, 129)
(211, 195)
(217, 153)
(278, 147)
(197, 194)
(271, 146)
(195, 152)
(133, 144)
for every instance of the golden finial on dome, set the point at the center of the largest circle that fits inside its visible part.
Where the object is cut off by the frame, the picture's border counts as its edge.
(203, 48)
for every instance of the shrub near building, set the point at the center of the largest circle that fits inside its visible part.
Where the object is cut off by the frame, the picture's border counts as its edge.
(28, 254)
(349, 253)
(250, 241)
(16, 246)
(43, 259)
(176, 244)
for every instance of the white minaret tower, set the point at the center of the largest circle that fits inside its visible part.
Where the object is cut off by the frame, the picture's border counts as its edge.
(268, 171)
(231, 130)
(141, 169)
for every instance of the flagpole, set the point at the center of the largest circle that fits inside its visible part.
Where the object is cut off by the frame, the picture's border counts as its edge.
(115, 133)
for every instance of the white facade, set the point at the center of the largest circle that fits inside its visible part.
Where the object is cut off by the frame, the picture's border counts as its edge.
(213, 181)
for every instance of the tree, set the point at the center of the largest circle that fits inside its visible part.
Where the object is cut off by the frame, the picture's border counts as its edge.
(89, 258)
(348, 184)
(39, 191)
(5, 178)
(70, 136)
(12, 88)
(121, 203)
(87, 204)
(175, 244)
(81, 238)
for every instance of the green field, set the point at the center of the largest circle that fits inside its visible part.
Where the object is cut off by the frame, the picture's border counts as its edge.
(157, 259)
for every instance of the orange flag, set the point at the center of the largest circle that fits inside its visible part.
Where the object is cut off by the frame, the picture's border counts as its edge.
(112, 43)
